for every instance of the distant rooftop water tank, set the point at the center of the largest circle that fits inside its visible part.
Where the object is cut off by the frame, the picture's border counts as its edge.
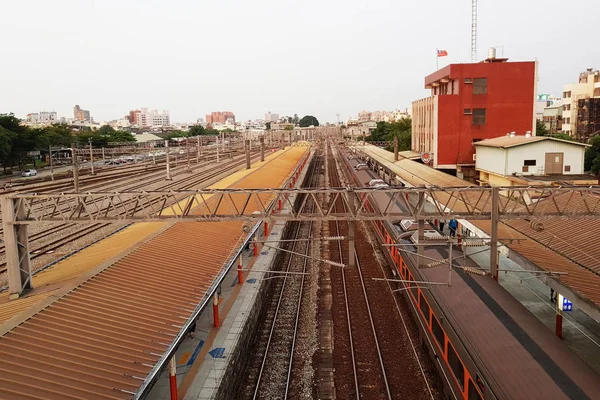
(492, 53)
(513, 134)
(528, 134)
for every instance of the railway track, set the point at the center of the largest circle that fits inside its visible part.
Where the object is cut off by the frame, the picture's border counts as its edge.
(274, 377)
(361, 357)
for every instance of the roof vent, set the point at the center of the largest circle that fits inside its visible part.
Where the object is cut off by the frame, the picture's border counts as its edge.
(528, 134)
(512, 134)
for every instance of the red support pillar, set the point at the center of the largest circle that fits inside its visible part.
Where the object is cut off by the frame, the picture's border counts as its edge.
(240, 272)
(266, 228)
(280, 204)
(173, 377)
(216, 309)
(559, 317)
(255, 252)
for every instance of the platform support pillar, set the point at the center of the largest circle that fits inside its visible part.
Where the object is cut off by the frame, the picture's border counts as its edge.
(559, 317)
(173, 377)
(240, 272)
(16, 243)
(266, 228)
(247, 150)
(168, 160)
(255, 247)
(216, 309)
(262, 149)
(494, 233)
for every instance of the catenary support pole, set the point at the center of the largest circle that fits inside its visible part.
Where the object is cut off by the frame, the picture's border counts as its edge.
(247, 150)
(75, 169)
(351, 224)
(494, 233)
(262, 149)
(421, 233)
(168, 160)
(395, 148)
(92, 158)
(198, 150)
(51, 166)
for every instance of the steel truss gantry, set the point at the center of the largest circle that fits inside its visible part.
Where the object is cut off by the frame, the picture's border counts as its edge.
(256, 205)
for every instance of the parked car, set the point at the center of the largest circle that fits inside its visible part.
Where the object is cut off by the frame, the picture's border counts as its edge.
(29, 172)
(377, 183)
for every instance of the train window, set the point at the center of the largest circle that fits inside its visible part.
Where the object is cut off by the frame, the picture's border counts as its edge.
(438, 332)
(413, 287)
(456, 366)
(473, 393)
(424, 307)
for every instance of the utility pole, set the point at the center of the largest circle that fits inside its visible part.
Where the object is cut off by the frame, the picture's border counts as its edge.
(75, 169)
(168, 159)
(262, 149)
(91, 156)
(217, 146)
(187, 151)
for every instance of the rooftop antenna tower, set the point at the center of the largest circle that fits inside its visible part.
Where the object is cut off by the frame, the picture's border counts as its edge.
(474, 30)
(338, 118)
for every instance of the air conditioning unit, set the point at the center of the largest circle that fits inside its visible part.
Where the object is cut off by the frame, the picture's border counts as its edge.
(467, 111)
(474, 157)
(468, 80)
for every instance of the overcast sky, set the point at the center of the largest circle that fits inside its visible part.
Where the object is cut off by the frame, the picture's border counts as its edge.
(319, 57)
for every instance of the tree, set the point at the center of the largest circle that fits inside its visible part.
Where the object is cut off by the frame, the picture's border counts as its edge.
(562, 136)
(197, 130)
(386, 131)
(289, 120)
(308, 120)
(540, 128)
(592, 156)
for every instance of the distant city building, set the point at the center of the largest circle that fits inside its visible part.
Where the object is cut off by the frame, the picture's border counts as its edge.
(220, 117)
(552, 117)
(382, 116)
(543, 101)
(469, 103)
(80, 114)
(580, 123)
(271, 117)
(132, 117)
(42, 117)
(154, 118)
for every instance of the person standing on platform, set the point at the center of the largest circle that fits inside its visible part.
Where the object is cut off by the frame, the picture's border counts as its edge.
(442, 223)
(453, 225)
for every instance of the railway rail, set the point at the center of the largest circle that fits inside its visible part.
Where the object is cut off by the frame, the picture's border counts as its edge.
(276, 373)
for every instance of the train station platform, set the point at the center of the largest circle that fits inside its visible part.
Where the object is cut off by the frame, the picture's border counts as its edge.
(104, 322)
(555, 249)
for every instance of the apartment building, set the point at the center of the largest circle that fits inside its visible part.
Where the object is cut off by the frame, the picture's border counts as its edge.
(271, 117)
(220, 117)
(42, 117)
(152, 118)
(581, 116)
(469, 103)
(80, 114)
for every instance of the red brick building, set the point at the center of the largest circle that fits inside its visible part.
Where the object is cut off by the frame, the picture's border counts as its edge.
(220, 117)
(471, 102)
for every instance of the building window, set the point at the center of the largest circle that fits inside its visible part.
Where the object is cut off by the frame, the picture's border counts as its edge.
(467, 111)
(478, 116)
(531, 163)
(468, 80)
(525, 168)
(568, 120)
(567, 107)
(480, 86)
(567, 168)
(567, 95)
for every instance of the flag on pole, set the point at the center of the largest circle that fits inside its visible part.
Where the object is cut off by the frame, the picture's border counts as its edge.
(442, 53)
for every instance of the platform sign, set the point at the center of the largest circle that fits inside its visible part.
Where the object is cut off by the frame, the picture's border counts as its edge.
(566, 304)
(426, 157)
